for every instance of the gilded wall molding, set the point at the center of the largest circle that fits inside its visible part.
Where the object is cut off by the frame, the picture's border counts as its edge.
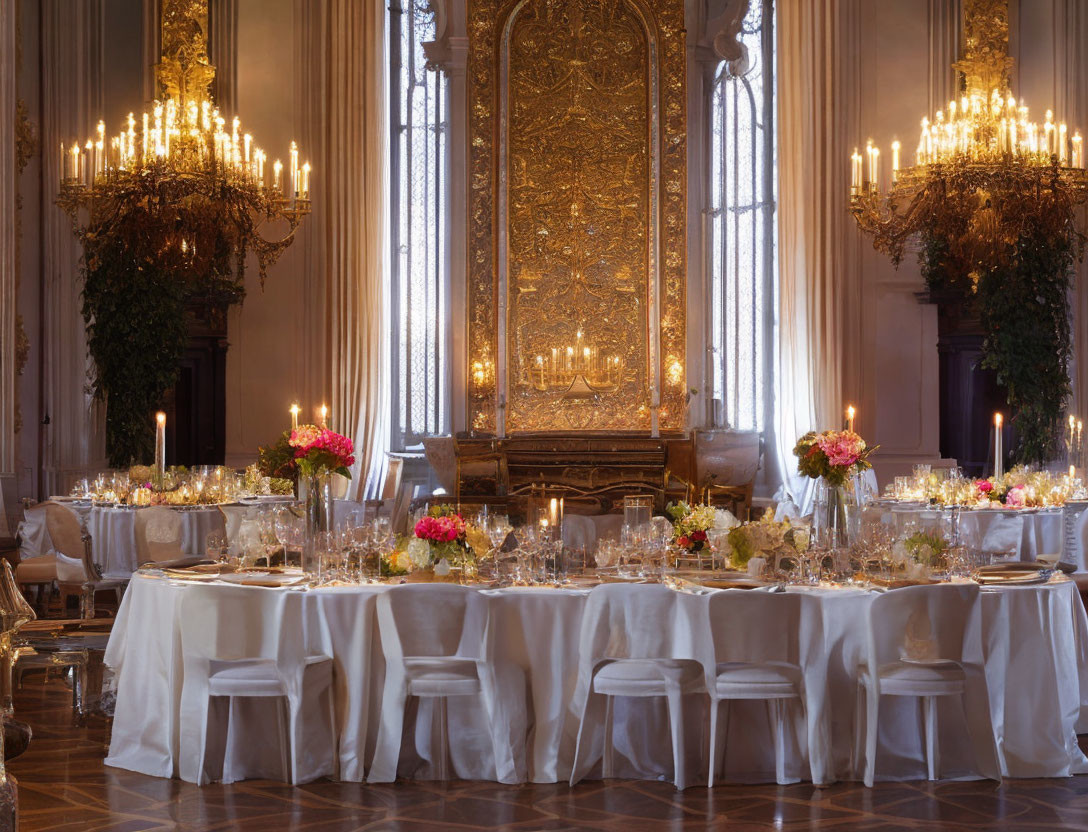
(577, 211)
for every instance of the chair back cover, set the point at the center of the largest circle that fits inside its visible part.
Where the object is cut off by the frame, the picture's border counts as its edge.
(636, 621)
(760, 627)
(65, 530)
(942, 621)
(234, 623)
(433, 620)
(74, 555)
(158, 534)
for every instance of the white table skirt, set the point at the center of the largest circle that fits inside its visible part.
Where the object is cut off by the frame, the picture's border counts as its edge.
(113, 534)
(1035, 640)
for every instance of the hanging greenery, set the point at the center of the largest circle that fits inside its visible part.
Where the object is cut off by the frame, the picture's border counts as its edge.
(1014, 257)
(148, 259)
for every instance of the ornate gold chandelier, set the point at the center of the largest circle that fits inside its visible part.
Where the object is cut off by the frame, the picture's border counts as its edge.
(983, 170)
(199, 182)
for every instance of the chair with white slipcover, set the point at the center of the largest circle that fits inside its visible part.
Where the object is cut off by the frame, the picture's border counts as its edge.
(437, 643)
(925, 642)
(249, 642)
(77, 571)
(629, 647)
(158, 535)
(761, 646)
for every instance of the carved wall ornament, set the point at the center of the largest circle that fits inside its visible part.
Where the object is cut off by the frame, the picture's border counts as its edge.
(727, 41)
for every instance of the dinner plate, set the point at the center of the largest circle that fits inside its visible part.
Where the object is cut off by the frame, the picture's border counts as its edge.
(1011, 577)
(186, 575)
(729, 583)
(262, 579)
(927, 662)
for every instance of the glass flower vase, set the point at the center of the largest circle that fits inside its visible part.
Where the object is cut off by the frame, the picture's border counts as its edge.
(836, 516)
(317, 497)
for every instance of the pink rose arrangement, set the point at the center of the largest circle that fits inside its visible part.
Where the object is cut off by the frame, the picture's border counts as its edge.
(443, 534)
(319, 450)
(834, 455)
(442, 529)
(984, 487)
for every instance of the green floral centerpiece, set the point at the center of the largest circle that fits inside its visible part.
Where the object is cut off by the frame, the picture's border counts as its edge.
(766, 538)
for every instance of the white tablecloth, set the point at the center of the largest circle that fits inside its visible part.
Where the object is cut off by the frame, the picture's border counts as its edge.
(113, 535)
(1035, 639)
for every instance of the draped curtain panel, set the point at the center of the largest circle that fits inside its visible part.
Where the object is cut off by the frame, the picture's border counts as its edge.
(343, 112)
(223, 52)
(7, 241)
(71, 87)
(817, 291)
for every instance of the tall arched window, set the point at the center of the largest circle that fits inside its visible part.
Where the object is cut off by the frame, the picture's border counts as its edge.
(418, 301)
(744, 257)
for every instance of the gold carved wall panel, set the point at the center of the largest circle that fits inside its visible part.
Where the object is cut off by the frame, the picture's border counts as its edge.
(577, 215)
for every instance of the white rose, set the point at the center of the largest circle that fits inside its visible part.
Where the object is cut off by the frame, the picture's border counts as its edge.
(724, 519)
(419, 553)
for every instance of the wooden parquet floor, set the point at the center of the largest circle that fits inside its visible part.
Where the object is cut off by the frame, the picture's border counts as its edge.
(63, 785)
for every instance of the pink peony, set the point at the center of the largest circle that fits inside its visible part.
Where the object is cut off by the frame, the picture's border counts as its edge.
(1016, 497)
(842, 448)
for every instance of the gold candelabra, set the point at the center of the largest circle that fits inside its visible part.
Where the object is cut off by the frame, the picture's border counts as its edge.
(183, 159)
(578, 369)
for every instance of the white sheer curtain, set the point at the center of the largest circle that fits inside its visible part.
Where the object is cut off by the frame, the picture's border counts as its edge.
(342, 73)
(812, 210)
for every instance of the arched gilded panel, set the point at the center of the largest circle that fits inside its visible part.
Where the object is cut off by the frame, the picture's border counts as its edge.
(576, 248)
(576, 220)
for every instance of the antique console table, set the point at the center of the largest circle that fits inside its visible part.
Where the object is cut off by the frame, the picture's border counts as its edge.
(592, 472)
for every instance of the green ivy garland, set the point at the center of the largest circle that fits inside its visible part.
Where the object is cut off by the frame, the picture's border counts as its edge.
(149, 256)
(1023, 306)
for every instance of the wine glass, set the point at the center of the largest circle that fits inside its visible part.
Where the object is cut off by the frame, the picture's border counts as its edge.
(282, 523)
(215, 545)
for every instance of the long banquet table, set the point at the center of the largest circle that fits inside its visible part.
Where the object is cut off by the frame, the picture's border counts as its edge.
(1035, 641)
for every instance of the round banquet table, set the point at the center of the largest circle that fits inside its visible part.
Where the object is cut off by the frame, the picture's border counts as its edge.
(113, 533)
(1035, 643)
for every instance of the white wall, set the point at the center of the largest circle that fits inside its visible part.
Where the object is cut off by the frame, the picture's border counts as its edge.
(268, 363)
(893, 373)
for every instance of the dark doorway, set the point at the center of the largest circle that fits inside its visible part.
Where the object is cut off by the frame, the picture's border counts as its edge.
(196, 410)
